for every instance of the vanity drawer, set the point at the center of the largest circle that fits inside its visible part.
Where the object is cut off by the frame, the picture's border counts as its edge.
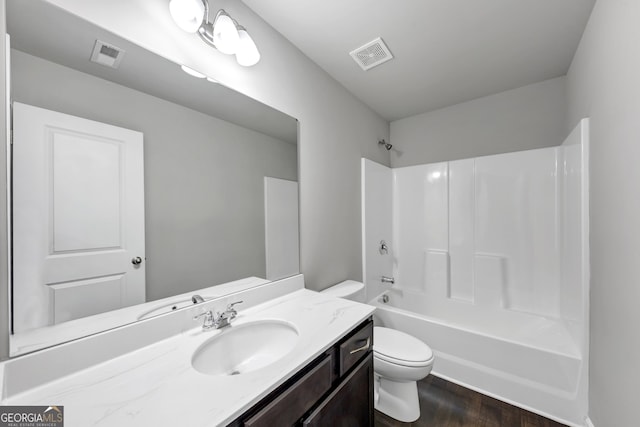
(355, 347)
(291, 404)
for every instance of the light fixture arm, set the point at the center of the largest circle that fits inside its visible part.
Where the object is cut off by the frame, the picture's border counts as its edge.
(206, 33)
(206, 11)
(206, 28)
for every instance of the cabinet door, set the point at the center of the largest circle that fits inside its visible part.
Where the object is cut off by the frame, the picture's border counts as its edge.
(291, 404)
(351, 404)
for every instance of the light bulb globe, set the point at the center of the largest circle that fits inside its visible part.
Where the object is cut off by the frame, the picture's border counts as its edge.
(225, 34)
(247, 53)
(187, 14)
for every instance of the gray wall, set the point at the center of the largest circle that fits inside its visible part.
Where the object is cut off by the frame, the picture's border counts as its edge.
(529, 117)
(336, 129)
(604, 84)
(204, 197)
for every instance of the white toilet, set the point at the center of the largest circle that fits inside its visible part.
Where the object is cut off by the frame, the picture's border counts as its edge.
(399, 361)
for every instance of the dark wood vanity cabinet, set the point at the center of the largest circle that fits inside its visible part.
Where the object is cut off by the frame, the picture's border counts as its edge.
(350, 404)
(336, 389)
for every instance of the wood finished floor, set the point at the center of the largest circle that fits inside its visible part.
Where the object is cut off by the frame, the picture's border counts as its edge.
(445, 404)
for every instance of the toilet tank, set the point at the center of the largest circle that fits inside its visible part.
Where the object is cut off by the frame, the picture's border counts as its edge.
(349, 289)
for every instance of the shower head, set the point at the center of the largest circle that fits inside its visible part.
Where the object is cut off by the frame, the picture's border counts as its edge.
(385, 144)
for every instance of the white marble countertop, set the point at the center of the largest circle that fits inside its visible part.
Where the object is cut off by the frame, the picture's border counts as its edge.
(157, 386)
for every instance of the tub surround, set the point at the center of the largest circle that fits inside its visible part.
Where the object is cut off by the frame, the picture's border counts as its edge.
(491, 263)
(155, 383)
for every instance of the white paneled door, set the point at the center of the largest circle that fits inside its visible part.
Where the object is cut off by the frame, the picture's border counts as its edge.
(78, 217)
(281, 228)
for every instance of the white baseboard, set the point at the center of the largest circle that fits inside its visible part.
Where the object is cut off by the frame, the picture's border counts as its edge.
(588, 422)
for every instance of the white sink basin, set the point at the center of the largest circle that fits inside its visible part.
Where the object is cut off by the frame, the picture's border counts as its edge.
(243, 348)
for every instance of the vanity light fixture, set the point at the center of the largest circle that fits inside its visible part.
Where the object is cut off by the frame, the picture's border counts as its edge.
(224, 33)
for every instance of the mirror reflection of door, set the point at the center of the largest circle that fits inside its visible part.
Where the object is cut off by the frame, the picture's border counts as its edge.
(281, 227)
(78, 217)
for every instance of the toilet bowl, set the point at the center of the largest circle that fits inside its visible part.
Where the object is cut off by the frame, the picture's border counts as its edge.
(399, 361)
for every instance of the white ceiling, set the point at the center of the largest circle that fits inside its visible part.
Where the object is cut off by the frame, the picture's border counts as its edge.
(446, 51)
(43, 30)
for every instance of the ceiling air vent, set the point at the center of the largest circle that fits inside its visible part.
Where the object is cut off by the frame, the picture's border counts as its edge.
(371, 54)
(107, 54)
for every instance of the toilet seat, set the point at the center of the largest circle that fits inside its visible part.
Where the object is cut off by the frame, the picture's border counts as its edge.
(400, 348)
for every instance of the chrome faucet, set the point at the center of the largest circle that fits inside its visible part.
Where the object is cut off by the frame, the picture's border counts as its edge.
(224, 319)
(385, 279)
(197, 299)
(220, 320)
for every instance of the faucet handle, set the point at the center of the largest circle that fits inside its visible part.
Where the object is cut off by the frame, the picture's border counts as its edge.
(230, 306)
(232, 310)
(208, 319)
(204, 313)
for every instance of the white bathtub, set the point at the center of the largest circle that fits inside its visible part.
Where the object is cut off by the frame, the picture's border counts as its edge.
(529, 361)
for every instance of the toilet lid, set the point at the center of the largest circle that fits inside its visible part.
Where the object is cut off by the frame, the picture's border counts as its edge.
(345, 289)
(397, 346)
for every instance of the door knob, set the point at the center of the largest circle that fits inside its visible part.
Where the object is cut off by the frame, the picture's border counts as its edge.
(136, 260)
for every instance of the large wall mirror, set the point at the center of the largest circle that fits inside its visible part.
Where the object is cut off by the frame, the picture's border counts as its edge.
(134, 184)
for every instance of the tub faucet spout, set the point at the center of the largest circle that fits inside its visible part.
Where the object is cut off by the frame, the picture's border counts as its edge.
(385, 279)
